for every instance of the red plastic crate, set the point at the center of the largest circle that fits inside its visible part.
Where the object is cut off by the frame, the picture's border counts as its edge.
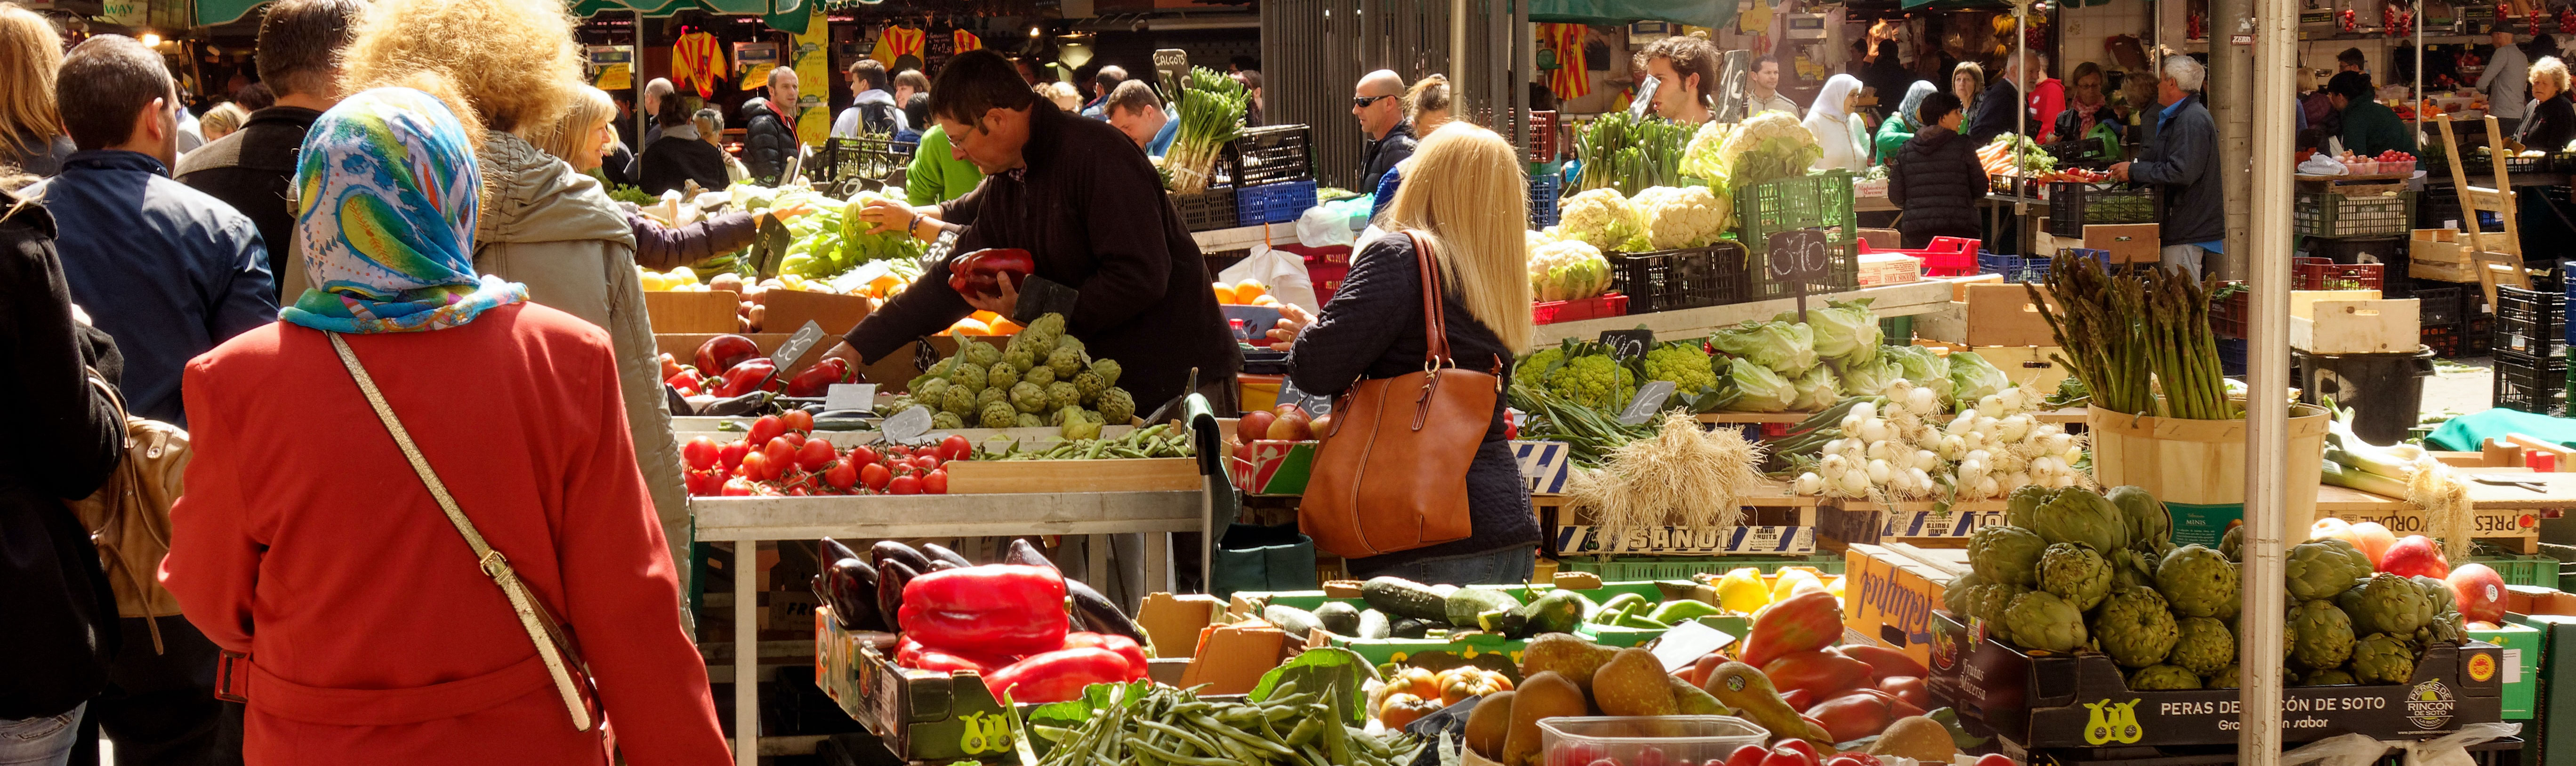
(2325, 274)
(1542, 139)
(1943, 257)
(1596, 307)
(1325, 268)
(2227, 315)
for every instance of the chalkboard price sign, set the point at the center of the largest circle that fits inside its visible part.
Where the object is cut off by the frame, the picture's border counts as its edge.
(1628, 344)
(1799, 255)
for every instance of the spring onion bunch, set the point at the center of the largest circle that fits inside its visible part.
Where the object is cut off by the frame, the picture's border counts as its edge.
(1631, 154)
(1211, 114)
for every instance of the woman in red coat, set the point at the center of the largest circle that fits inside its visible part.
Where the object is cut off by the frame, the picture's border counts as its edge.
(306, 541)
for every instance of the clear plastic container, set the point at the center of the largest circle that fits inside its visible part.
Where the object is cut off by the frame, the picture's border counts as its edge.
(1680, 740)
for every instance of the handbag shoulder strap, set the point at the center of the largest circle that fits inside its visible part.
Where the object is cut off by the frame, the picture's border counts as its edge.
(552, 645)
(1435, 328)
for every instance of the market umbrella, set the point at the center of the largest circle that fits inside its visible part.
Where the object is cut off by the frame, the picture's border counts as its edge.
(1698, 13)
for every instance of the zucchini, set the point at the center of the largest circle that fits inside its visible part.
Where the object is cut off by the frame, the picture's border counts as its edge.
(1399, 597)
(1373, 624)
(1338, 617)
(1634, 620)
(1509, 623)
(1409, 627)
(1557, 612)
(1467, 604)
(1296, 622)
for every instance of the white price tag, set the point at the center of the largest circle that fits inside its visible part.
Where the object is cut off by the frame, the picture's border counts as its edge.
(849, 396)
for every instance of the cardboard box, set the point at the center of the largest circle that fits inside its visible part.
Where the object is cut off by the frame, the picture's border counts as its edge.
(1871, 523)
(1273, 468)
(2005, 315)
(2520, 658)
(2048, 700)
(713, 311)
(791, 309)
(2127, 242)
(2036, 365)
(1232, 658)
(1889, 595)
(2550, 730)
(1575, 535)
(1173, 622)
(922, 715)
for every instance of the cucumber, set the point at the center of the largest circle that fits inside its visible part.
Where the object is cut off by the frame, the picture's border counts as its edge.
(1610, 610)
(1409, 627)
(1338, 617)
(1399, 597)
(1467, 604)
(1373, 624)
(1557, 612)
(1294, 621)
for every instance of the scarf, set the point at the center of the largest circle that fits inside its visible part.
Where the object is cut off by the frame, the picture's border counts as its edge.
(387, 187)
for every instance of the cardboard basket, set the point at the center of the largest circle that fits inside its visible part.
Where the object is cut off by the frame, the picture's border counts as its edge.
(2197, 467)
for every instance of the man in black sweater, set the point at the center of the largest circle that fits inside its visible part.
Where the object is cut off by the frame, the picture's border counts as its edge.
(253, 169)
(1078, 195)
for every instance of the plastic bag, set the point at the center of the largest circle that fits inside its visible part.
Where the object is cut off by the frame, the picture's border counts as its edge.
(1282, 271)
(1329, 224)
(2364, 750)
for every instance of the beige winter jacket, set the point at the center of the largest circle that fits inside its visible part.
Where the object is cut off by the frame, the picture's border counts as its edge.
(556, 231)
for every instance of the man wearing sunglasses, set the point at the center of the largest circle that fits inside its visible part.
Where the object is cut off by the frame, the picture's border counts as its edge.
(1379, 103)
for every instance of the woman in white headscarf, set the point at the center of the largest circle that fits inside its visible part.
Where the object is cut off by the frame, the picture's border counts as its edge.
(1840, 133)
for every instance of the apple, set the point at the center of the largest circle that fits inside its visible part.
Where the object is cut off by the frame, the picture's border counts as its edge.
(1254, 426)
(1291, 425)
(2373, 540)
(2416, 555)
(2478, 592)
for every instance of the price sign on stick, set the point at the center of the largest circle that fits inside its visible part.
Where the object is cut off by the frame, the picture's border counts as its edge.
(1315, 406)
(1628, 344)
(1796, 258)
(796, 345)
(1649, 402)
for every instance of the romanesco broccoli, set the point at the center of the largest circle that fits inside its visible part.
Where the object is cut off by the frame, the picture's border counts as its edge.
(1685, 365)
(1594, 381)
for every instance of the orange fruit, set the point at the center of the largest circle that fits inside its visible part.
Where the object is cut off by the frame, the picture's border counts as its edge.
(1247, 290)
(970, 326)
(1265, 301)
(1224, 293)
(986, 317)
(1005, 327)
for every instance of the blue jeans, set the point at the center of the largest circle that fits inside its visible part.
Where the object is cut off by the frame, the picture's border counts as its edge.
(1510, 566)
(43, 741)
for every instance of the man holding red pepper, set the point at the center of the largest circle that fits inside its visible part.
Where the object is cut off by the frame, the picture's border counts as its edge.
(1090, 213)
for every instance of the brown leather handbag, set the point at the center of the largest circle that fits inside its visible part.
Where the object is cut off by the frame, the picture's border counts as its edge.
(1391, 473)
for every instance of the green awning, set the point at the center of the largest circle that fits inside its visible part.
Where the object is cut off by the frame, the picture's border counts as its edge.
(1698, 13)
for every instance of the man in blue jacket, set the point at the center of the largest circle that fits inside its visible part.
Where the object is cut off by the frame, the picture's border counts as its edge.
(2183, 156)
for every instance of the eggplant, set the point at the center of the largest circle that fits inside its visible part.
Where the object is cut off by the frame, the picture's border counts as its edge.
(1098, 615)
(891, 577)
(740, 405)
(942, 565)
(830, 550)
(849, 585)
(938, 553)
(1024, 552)
(889, 550)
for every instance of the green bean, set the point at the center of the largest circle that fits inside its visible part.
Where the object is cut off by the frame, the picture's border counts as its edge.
(1284, 689)
(1186, 736)
(1337, 740)
(1230, 732)
(1305, 731)
(1374, 747)
(1289, 700)
(1140, 744)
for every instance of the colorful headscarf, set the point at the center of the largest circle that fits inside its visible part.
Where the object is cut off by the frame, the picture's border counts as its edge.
(387, 187)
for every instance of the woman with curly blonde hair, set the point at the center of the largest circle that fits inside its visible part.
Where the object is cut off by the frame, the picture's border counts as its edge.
(31, 134)
(2551, 120)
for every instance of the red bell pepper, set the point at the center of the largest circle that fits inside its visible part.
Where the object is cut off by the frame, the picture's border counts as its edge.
(911, 654)
(689, 382)
(815, 380)
(973, 274)
(1007, 609)
(722, 352)
(1124, 646)
(751, 375)
(1058, 675)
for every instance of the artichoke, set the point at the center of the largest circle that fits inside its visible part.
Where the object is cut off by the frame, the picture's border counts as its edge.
(947, 421)
(2006, 555)
(999, 415)
(1027, 420)
(1001, 375)
(2135, 627)
(1044, 334)
(2232, 544)
(1108, 370)
(2163, 678)
(1066, 360)
(2315, 569)
(2021, 508)
(930, 392)
(1956, 596)
(958, 400)
(2324, 635)
(2435, 591)
(1089, 386)
(2075, 573)
(990, 395)
(2149, 522)
(2225, 678)
(968, 376)
(2040, 620)
(1063, 342)
(1078, 425)
(2199, 582)
(1020, 360)
(1060, 395)
(1028, 397)
(2131, 568)
(1992, 601)
(1117, 406)
(977, 352)
(2383, 659)
(2447, 627)
(2076, 515)
(2203, 645)
(2329, 677)
(1040, 375)
(2386, 603)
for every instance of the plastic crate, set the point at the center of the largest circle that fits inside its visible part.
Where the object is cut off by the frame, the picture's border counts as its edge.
(1650, 568)
(1270, 154)
(2447, 342)
(872, 159)
(1595, 307)
(2523, 570)
(2014, 186)
(2072, 206)
(1687, 278)
(1544, 188)
(2382, 250)
(1273, 203)
(2533, 384)
(2227, 315)
(1842, 274)
(2438, 306)
(2324, 274)
(1208, 210)
(1542, 136)
(2530, 322)
(2231, 357)
(2014, 268)
(2479, 339)
(1803, 202)
(2326, 214)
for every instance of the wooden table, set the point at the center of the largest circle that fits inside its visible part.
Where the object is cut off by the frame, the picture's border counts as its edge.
(1902, 299)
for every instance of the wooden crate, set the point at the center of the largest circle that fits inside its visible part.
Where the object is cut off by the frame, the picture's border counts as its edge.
(1050, 476)
(2437, 246)
(2032, 364)
(713, 311)
(2353, 322)
(791, 309)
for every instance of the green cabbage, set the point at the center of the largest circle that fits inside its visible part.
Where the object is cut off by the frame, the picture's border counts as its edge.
(1817, 390)
(1757, 388)
(1973, 378)
(1845, 332)
(1923, 366)
(1871, 377)
(1785, 347)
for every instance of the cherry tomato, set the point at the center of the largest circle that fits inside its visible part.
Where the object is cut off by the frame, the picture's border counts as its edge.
(863, 456)
(935, 483)
(1748, 755)
(1651, 756)
(1802, 748)
(1783, 756)
(955, 448)
(814, 455)
(797, 421)
(766, 428)
(700, 452)
(730, 455)
(925, 462)
(780, 450)
(737, 487)
(842, 475)
(875, 476)
(1995, 759)
(755, 467)
(794, 438)
(904, 485)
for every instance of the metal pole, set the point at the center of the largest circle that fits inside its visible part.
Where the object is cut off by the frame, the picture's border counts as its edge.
(2267, 412)
(1458, 59)
(635, 79)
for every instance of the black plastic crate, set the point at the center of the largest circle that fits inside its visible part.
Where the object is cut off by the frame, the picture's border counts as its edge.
(872, 159)
(1271, 154)
(2447, 342)
(1687, 278)
(2072, 205)
(2231, 357)
(2480, 337)
(2327, 214)
(2530, 322)
(2438, 306)
(2531, 384)
(1208, 210)
(2355, 250)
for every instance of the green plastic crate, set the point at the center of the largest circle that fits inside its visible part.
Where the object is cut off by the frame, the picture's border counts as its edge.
(1652, 568)
(2523, 570)
(1805, 202)
(2326, 214)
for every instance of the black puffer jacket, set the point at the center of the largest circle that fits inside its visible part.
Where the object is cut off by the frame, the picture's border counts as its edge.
(1937, 180)
(768, 142)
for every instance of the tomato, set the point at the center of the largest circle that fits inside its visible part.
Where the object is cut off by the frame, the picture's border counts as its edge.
(935, 483)
(904, 485)
(798, 421)
(875, 476)
(842, 475)
(1801, 747)
(730, 454)
(1748, 755)
(925, 462)
(737, 487)
(1650, 756)
(700, 452)
(955, 448)
(1995, 759)
(863, 456)
(1783, 756)
(899, 450)
(814, 455)
(780, 450)
(703, 483)
(766, 428)
(755, 467)
(795, 439)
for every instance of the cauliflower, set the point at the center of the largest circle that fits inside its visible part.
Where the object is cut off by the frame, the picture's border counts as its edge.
(1594, 381)
(1598, 217)
(1682, 363)
(1678, 217)
(1770, 146)
(1567, 270)
(1701, 159)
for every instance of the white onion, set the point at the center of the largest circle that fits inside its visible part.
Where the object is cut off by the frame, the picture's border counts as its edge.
(2054, 439)
(2012, 429)
(1854, 483)
(1922, 400)
(2072, 456)
(1987, 487)
(1953, 446)
(1834, 463)
(2011, 399)
(1924, 459)
(1980, 456)
(1878, 470)
(1851, 423)
(1865, 410)
(2064, 480)
(1833, 447)
(1881, 450)
(1873, 430)
(1809, 483)
(1990, 403)
(1972, 469)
